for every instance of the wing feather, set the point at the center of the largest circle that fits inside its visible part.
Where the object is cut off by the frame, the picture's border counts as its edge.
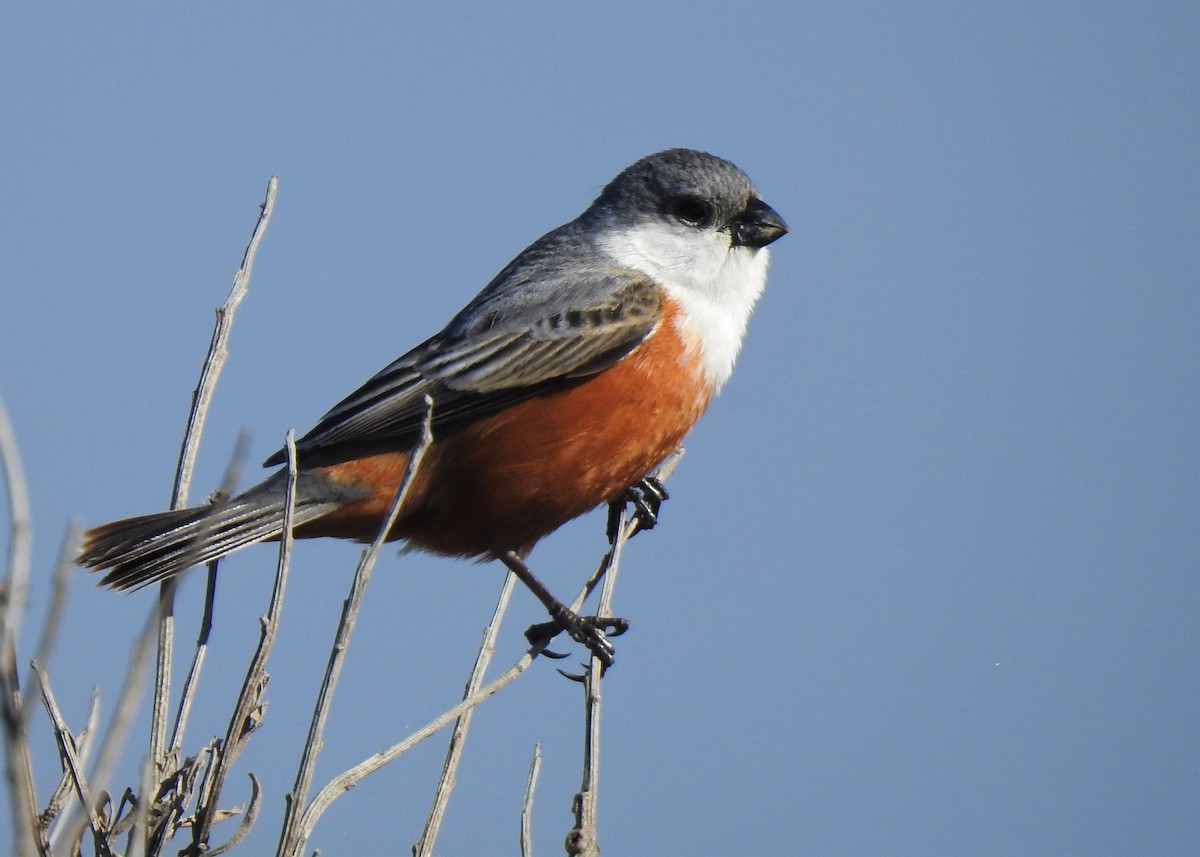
(473, 370)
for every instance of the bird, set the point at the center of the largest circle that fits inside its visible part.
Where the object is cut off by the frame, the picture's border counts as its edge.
(557, 389)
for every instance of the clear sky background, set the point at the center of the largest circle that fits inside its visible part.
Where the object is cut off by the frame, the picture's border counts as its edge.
(927, 583)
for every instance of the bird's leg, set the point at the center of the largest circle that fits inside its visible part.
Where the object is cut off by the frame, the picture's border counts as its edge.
(646, 496)
(591, 631)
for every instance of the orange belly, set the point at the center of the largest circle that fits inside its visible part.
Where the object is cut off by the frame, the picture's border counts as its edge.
(508, 479)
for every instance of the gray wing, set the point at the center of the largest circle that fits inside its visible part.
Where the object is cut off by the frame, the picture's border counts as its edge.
(488, 359)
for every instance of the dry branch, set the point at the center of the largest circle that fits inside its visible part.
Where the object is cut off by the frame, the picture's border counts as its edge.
(18, 764)
(294, 836)
(527, 804)
(458, 738)
(582, 839)
(190, 684)
(60, 585)
(214, 362)
(68, 752)
(16, 578)
(247, 710)
(113, 742)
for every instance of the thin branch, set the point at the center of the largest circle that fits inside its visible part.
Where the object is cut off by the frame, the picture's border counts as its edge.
(527, 805)
(148, 794)
(582, 840)
(18, 764)
(458, 738)
(247, 710)
(247, 822)
(346, 780)
(16, 578)
(218, 353)
(228, 483)
(84, 744)
(192, 682)
(164, 654)
(59, 587)
(70, 759)
(201, 399)
(118, 727)
(292, 837)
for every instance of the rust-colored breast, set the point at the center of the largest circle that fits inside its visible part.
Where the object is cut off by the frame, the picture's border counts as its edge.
(514, 476)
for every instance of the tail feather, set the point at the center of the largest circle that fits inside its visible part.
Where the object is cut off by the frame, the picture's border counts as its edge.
(149, 548)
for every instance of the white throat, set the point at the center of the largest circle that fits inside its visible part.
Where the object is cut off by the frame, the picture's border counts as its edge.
(714, 284)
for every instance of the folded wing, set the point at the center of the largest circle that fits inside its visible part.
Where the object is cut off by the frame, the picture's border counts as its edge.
(503, 356)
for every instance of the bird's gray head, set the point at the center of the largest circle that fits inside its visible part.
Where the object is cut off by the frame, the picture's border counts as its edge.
(684, 190)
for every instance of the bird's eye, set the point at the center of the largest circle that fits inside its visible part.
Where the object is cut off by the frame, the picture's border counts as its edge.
(692, 212)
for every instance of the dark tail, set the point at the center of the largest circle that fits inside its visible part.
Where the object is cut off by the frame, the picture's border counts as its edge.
(149, 548)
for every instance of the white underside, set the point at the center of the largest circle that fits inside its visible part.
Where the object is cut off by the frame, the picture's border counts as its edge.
(714, 284)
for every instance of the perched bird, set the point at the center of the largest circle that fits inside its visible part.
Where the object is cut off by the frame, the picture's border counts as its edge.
(575, 372)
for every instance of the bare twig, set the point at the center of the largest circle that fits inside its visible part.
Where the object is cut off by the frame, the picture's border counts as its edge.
(84, 743)
(293, 837)
(201, 399)
(217, 353)
(59, 586)
(70, 760)
(27, 837)
(247, 712)
(18, 765)
(346, 780)
(192, 682)
(582, 840)
(527, 805)
(247, 822)
(148, 793)
(458, 738)
(164, 655)
(118, 727)
(228, 482)
(16, 577)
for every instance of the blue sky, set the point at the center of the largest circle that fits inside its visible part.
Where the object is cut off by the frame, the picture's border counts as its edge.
(927, 583)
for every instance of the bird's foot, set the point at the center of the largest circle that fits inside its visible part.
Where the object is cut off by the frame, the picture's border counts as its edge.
(591, 631)
(646, 496)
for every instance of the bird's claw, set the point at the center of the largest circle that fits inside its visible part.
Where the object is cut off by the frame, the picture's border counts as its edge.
(591, 631)
(646, 496)
(579, 677)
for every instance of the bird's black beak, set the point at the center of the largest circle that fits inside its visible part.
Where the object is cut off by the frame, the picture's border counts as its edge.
(757, 226)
